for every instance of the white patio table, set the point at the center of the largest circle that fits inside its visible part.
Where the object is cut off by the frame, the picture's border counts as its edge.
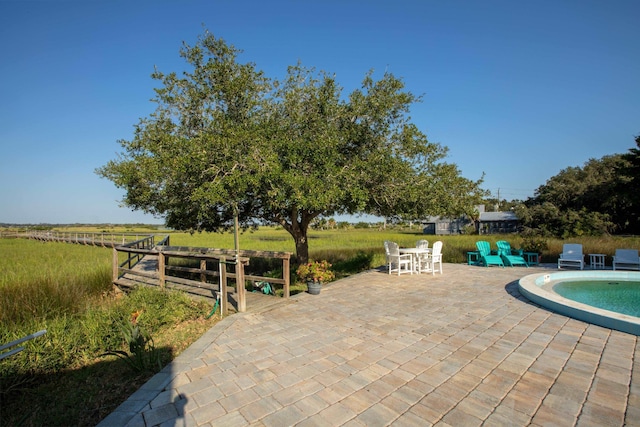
(417, 258)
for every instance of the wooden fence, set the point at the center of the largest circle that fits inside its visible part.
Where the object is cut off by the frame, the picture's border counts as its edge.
(168, 266)
(105, 239)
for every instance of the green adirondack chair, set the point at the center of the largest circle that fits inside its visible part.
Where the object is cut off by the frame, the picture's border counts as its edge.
(509, 256)
(487, 258)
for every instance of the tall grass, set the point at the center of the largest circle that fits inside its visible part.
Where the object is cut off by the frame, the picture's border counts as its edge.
(277, 239)
(64, 289)
(46, 280)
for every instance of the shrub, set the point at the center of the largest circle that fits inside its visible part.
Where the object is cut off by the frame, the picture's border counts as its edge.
(142, 355)
(361, 261)
(533, 241)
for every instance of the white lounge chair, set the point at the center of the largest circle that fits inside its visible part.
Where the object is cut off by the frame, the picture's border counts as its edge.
(402, 263)
(571, 256)
(627, 259)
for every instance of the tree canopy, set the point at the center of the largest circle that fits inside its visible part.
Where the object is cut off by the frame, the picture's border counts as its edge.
(600, 197)
(225, 139)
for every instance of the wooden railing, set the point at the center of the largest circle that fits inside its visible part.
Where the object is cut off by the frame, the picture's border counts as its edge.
(145, 244)
(105, 239)
(215, 268)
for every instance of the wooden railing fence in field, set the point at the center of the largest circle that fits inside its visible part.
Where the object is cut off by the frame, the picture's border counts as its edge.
(139, 260)
(105, 239)
(201, 271)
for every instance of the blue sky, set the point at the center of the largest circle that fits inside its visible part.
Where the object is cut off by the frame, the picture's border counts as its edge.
(517, 90)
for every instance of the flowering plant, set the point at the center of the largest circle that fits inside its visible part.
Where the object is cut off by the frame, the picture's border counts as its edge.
(315, 271)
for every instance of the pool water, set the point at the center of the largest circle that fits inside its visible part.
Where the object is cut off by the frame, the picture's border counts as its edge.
(619, 296)
(600, 297)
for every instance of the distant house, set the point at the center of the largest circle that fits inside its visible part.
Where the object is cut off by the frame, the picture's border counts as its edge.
(498, 223)
(442, 226)
(489, 223)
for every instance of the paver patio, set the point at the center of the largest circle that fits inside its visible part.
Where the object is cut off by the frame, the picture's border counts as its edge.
(461, 349)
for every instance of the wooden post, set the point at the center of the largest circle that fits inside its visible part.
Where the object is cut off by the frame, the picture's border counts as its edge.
(286, 266)
(224, 302)
(114, 267)
(203, 266)
(161, 262)
(240, 289)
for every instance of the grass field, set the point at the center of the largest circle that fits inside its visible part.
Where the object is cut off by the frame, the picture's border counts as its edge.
(338, 245)
(66, 289)
(61, 378)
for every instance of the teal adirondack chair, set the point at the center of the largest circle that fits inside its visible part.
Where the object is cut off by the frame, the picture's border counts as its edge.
(509, 256)
(487, 258)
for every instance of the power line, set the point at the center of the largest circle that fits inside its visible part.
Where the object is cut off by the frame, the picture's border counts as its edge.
(512, 193)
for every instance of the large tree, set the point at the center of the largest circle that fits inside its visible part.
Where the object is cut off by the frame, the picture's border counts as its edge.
(629, 189)
(600, 197)
(225, 140)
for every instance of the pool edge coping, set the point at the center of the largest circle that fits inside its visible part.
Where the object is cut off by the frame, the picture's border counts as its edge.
(531, 287)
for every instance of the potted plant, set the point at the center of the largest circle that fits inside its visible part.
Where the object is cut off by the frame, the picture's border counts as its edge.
(315, 273)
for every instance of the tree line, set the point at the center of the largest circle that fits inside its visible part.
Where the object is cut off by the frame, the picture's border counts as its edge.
(602, 197)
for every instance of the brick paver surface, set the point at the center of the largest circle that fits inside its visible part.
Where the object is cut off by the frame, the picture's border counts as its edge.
(462, 348)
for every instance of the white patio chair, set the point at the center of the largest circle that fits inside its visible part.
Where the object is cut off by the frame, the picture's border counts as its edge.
(434, 259)
(422, 257)
(402, 263)
(422, 244)
(626, 259)
(571, 256)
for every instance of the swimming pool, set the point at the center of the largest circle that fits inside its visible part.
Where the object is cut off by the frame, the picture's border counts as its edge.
(545, 289)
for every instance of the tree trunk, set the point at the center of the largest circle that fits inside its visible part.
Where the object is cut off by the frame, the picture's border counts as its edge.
(298, 228)
(302, 246)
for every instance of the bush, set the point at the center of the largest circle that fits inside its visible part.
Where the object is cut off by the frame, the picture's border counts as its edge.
(534, 241)
(360, 262)
(469, 230)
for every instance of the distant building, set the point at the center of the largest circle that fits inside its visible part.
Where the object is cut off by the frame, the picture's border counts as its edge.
(498, 223)
(489, 223)
(443, 226)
